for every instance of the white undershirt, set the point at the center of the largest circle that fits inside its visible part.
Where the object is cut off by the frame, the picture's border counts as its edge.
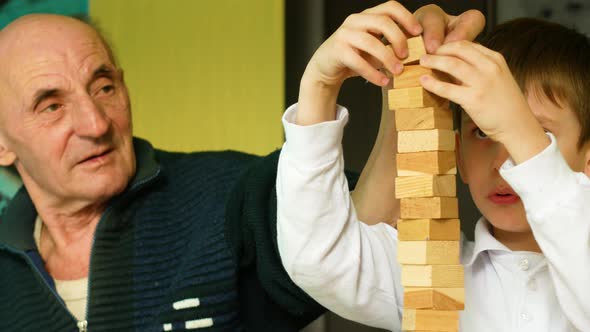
(73, 292)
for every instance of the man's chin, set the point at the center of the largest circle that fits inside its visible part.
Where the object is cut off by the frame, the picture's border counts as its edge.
(104, 187)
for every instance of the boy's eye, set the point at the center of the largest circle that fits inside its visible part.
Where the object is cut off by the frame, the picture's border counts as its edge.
(480, 134)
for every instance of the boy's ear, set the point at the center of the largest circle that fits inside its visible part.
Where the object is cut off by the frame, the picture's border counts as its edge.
(587, 162)
(459, 158)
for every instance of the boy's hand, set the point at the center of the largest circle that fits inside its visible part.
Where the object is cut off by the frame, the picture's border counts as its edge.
(441, 28)
(356, 49)
(484, 87)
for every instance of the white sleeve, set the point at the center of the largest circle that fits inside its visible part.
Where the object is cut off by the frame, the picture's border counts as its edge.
(557, 205)
(347, 266)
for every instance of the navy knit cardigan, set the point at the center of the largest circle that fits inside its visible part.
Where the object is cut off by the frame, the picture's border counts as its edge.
(189, 246)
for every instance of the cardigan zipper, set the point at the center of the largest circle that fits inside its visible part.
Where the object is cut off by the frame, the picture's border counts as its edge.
(83, 326)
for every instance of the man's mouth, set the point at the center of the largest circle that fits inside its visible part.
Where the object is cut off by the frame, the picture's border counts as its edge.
(97, 157)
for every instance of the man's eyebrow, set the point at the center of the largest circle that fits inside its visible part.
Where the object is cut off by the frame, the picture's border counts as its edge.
(102, 71)
(42, 95)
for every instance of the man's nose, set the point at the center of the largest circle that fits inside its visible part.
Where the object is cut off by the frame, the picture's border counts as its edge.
(90, 119)
(500, 155)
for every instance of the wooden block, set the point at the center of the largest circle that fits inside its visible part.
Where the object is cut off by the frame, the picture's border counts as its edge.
(410, 76)
(413, 98)
(428, 229)
(424, 118)
(430, 162)
(425, 140)
(416, 49)
(446, 276)
(425, 186)
(434, 298)
(428, 252)
(429, 208)
(430, 320)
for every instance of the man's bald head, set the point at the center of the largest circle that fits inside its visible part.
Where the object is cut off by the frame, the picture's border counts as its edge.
(45, 27)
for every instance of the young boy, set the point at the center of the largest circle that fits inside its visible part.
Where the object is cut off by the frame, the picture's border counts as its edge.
(523, 150)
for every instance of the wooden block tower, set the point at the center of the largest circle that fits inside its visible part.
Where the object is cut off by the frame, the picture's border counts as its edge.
(429, 229)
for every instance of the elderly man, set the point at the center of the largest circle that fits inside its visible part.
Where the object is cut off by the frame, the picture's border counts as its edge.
(109, 234)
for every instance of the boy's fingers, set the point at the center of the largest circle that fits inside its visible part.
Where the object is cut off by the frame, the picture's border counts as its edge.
(360, 66)
(434, 22)
(399, 14)
(445, 90)
(466, 26)
(368, 44)
(464, 50)
(490, 53)
(451, 65)
(382, 25)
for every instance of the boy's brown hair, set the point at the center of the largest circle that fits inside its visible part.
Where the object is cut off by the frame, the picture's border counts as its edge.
(549, 57)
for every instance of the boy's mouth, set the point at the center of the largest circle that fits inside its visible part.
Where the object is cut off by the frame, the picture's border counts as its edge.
(503, 196)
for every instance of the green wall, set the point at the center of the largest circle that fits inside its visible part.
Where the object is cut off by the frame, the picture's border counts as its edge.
(202, 74)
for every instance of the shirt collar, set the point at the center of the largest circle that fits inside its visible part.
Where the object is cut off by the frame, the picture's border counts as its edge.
(18, 221)
(484, 241)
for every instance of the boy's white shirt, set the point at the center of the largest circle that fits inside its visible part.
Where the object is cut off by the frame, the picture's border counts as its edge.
(351, 268)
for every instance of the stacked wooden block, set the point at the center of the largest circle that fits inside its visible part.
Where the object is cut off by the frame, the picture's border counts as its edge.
(429, 230)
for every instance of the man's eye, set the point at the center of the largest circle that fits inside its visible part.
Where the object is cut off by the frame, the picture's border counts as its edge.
(107, 89)
(480, 134)
(51, 108)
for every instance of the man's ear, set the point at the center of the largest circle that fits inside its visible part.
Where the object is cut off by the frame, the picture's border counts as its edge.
(459, 158)
(7, 157)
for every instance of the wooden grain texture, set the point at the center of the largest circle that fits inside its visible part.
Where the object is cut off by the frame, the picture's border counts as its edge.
(434, 298)
(413, 98)
(428, 162)
(439, 117)
(425, 186)
(425, 140)
(428, 229)
(416, 49)
(410, 76)
(429, 208)
(428, 252)
(430, 320)
(444, 276)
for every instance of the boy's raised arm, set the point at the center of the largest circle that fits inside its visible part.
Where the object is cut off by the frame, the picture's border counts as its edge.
(556, 202)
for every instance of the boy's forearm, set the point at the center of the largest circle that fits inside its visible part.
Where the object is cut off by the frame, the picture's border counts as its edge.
(317, 101)
(556, 203)
(374, 195)
(526, 140)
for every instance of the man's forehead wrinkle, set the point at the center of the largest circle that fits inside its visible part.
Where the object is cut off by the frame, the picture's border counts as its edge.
(32, 57)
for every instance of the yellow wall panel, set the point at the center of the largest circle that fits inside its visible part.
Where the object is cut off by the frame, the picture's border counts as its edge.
(203, 75)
